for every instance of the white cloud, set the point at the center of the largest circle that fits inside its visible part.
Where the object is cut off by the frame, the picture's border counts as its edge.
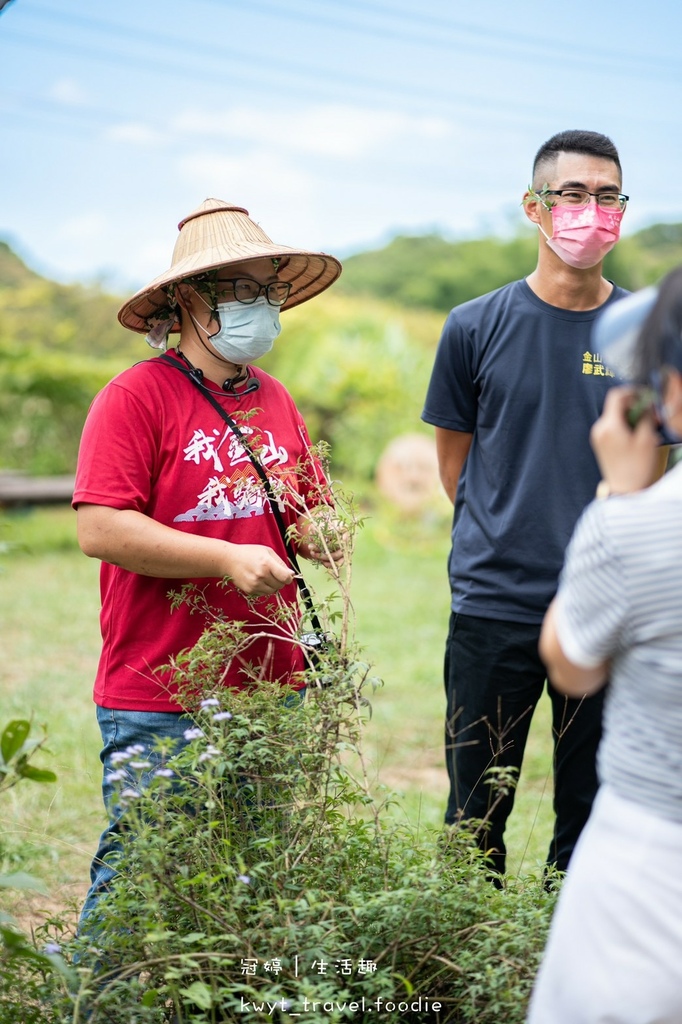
(285, 198)
(145, 262)
(87, 227)
(255, 173)
(135, 133)
(333, 130)
(68, 92)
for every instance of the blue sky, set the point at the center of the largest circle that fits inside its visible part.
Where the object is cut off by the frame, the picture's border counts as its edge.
(337, 123)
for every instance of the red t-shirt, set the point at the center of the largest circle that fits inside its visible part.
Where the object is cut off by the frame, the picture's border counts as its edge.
(153, 443)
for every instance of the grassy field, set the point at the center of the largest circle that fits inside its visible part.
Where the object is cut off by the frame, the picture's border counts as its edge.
(49, 639)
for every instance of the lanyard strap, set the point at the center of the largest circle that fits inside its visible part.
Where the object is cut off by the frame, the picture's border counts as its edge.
(258, 466)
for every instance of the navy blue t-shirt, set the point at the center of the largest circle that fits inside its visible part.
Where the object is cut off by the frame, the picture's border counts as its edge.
(522, 377)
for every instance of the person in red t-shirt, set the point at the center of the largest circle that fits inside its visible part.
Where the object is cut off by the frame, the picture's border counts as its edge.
(166, 494)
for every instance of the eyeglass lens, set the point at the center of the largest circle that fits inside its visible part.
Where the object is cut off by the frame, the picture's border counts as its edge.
(247, 291)
(576, 197)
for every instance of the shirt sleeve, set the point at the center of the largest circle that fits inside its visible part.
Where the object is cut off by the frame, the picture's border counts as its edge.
(451, 398)
(118, 452)
(592, 600)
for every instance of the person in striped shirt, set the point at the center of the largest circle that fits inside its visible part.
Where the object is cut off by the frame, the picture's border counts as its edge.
(613, 953)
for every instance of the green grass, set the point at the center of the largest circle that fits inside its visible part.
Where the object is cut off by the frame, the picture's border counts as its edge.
(401, 599)
(49, 606)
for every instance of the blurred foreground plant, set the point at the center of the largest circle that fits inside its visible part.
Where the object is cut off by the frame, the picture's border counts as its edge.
(260, 879)
(19, 955)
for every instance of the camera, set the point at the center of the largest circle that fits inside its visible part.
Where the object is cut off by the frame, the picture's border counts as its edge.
(314, 644)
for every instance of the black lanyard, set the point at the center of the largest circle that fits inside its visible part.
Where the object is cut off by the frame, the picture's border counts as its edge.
(196, 380)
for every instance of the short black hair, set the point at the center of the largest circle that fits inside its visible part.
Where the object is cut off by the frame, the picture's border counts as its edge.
(575, 141)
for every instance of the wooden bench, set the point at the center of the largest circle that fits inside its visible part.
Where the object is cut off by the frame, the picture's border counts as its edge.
(18, 489)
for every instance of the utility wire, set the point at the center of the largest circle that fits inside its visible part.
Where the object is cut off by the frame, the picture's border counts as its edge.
(513, 45)
(470, 39)
(326, 84)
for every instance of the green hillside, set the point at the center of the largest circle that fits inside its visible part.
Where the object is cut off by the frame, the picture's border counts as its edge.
(357, 367)
(59, 345)
(428, 272)
(357, 360)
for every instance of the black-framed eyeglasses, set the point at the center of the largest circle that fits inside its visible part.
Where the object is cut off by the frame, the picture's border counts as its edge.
(579, 198)
(246, 290)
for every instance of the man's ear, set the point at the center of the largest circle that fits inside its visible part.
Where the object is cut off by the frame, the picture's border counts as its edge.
(531, 206)
(190, 300)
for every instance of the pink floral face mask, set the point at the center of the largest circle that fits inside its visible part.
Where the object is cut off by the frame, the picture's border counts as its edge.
(583, 237)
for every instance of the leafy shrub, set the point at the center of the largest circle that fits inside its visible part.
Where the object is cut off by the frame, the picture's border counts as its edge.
(262, 879)
(358, 370)
(16, 748)
(44, 398)
(259, 877)
(19, 956)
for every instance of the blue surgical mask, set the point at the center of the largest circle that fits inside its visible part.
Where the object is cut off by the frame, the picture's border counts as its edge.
(246, 332)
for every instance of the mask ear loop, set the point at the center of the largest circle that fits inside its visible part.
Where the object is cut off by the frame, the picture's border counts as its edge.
(536, 197)
(214, 312)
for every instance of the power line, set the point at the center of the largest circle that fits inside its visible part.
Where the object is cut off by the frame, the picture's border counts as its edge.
(277, 75)
(509, 38)
(472, 39)
(326, 83)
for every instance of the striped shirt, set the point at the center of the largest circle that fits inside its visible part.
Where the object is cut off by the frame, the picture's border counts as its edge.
(620, 597)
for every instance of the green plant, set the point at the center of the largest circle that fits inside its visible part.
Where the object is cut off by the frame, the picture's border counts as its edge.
(19, 956)
(262, 875)
(269, 846)
(16, 749)
(259, 876)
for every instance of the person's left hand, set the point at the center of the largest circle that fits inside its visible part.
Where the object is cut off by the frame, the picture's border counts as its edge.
(628, 458)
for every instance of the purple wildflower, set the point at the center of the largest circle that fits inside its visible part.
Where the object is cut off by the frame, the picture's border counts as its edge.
(193, 734)
(209, 753)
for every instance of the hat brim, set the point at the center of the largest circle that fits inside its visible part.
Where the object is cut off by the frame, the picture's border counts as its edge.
(309, 273)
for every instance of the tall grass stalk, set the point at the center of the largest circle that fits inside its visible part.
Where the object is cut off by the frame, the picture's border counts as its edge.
(49, 605)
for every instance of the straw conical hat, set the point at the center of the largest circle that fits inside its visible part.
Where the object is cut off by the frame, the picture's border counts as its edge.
(215, 235)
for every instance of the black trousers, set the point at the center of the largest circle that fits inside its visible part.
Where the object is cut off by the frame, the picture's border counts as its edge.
(493, 680)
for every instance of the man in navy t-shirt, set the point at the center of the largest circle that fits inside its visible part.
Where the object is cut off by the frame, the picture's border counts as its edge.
(515, 388)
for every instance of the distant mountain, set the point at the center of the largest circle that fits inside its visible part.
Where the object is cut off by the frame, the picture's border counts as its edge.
(13, 272)
(35, 311)
(422, 271)
(357, 360)
(428, 271)
(59, 344)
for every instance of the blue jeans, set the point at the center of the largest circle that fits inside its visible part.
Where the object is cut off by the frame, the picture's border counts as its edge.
(493, 680)
(143, 730)
(120, 730)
